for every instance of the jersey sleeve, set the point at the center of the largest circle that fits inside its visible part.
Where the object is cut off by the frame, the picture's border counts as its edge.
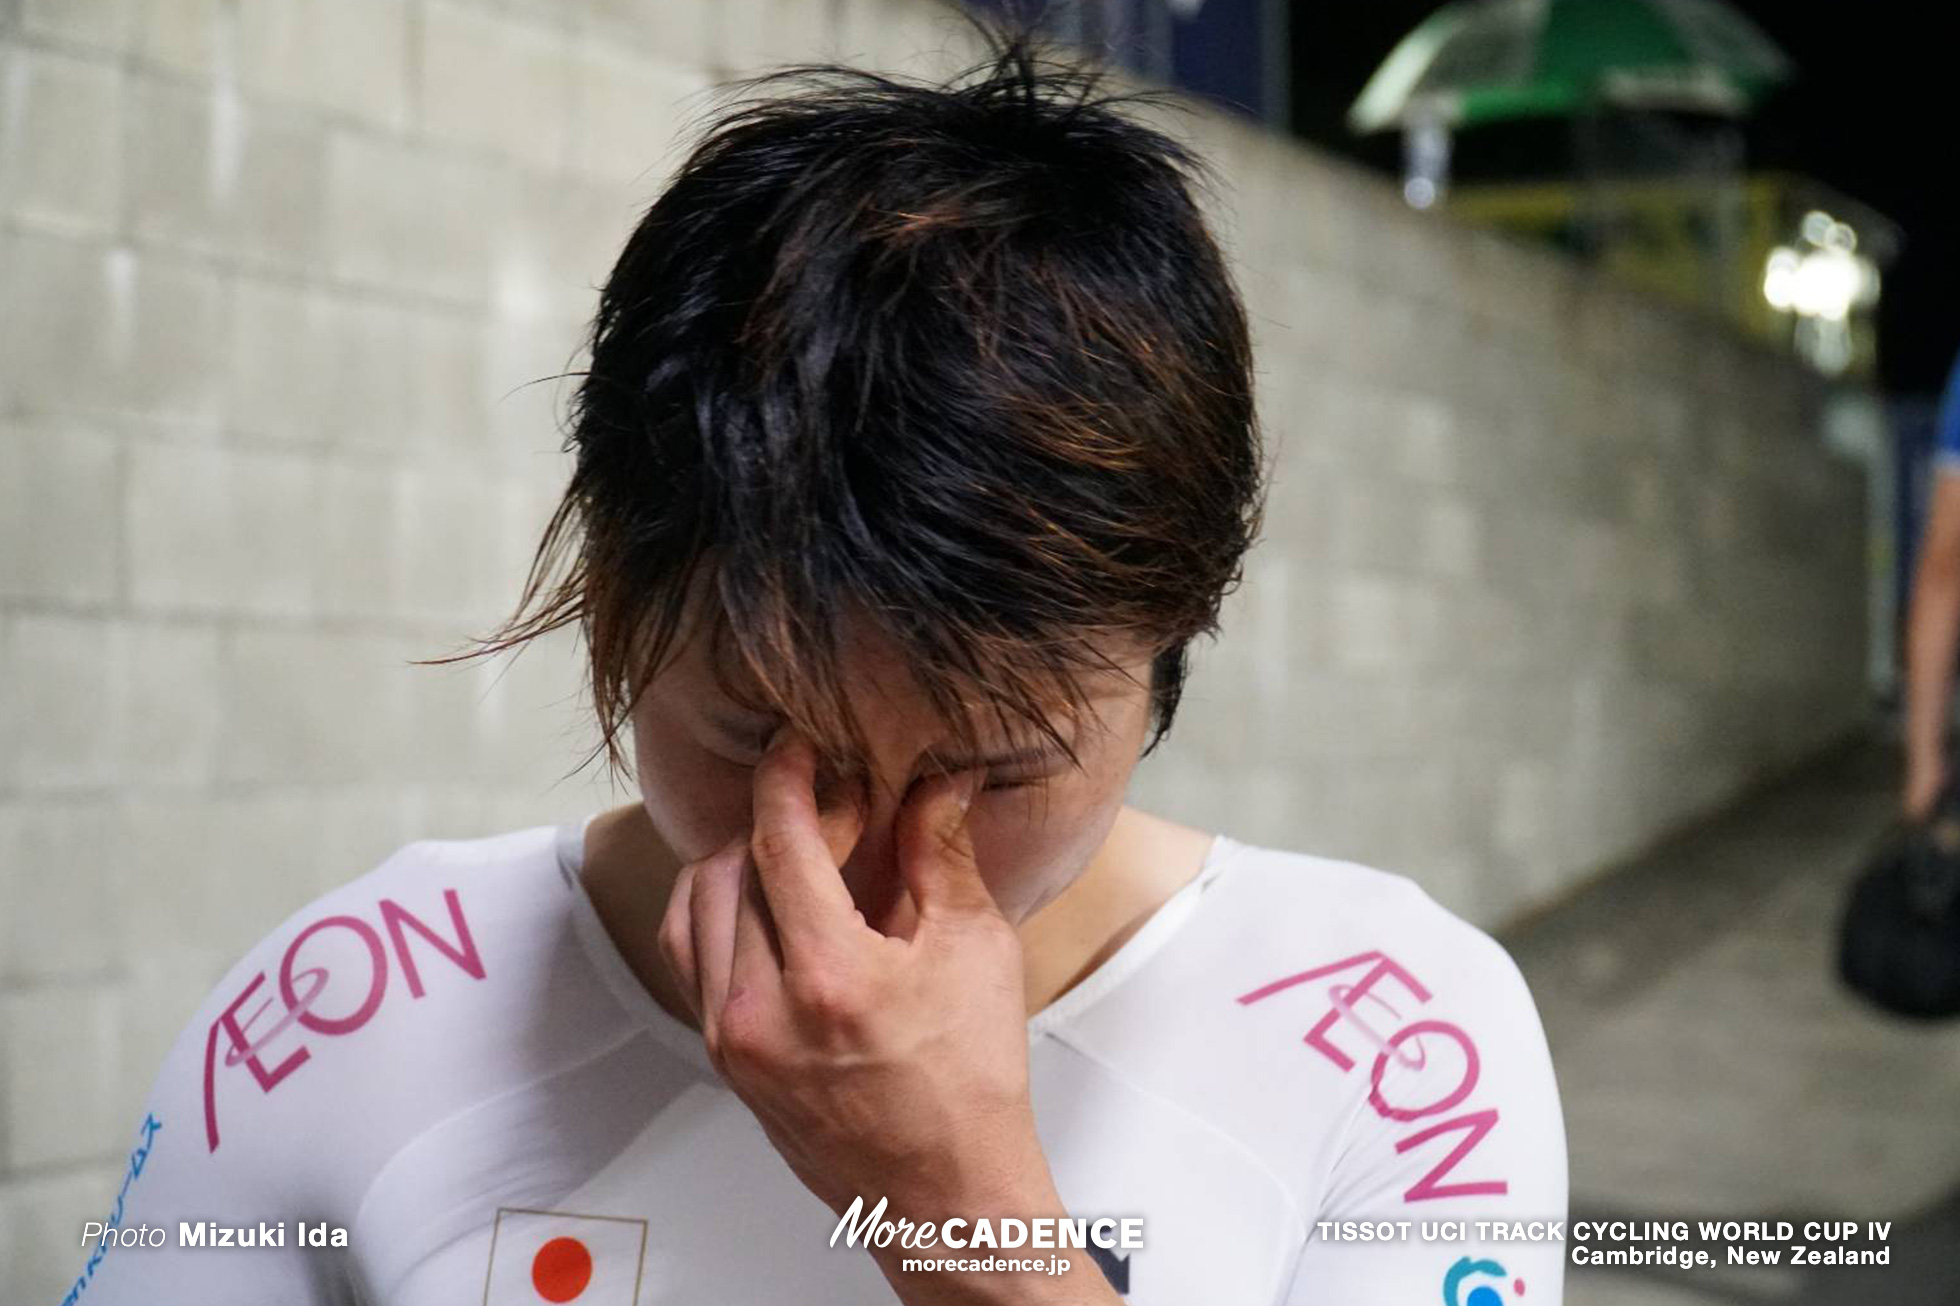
(1451, 1185)
(300, 1073)
(156, 1237)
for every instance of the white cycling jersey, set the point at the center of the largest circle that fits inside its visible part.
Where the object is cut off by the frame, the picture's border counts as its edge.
(447, 1066)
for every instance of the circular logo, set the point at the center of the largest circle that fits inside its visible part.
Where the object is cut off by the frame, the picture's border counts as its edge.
(561, 1269)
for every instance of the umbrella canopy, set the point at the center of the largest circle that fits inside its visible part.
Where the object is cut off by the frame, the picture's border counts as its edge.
(1479, 61)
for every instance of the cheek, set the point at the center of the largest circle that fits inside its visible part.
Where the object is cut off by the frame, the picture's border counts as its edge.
(696, 800)
(1030, 851)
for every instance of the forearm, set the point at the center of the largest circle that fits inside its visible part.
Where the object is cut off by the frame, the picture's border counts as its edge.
(1932, 631)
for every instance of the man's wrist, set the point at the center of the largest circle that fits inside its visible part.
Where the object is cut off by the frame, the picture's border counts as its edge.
(1068, 1277)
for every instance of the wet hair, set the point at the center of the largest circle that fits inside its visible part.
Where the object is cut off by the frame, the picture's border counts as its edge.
(960, 359)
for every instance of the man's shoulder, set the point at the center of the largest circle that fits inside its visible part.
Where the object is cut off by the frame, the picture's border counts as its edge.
(1323, 1012)
(1354, 968)
(429, 912)
(414, 984)
(1287, 907)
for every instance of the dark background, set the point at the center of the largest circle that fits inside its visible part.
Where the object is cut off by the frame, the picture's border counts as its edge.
(1868, 114)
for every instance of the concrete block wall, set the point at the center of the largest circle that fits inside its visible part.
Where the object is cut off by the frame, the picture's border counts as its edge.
(1548, 568)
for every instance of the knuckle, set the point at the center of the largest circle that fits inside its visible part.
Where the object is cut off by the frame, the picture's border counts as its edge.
(772, 847)
(740, 1040)
(826, 996)
(746, 1041)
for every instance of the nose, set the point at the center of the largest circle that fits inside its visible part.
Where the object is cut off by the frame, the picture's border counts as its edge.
(871, 870)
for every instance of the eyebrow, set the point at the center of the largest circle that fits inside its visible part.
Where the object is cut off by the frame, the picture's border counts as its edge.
(757, 731)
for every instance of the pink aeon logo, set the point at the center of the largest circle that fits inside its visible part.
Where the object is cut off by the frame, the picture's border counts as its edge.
(356, 947)
(1406, 1048)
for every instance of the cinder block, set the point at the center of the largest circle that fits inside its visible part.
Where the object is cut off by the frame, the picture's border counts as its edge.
(349, 369)
(60, 153)
(347, 56)
(42, 1214)
(563, 235)
(634, 117)
(529, 380)
(922, 40)
(106, 25)
(1380, 622)
(449, 714)
(287, 372)
(67, 723)
(222, 530)
(448, 418)
(1493, 626)
(537, 722)
(406, 219)
(360, 537)
(58, 511)
(55, 871)
(196, 881)
(1517, 551)
(450, 526)
(55, 1115)
(310, 707)
(213, 173)
(171, 357)
(678, 32)
(495, 83)
(527, 507)
(174, 694)
(355, 827)
(1423, 438)
(185, 36)
(1448, 529)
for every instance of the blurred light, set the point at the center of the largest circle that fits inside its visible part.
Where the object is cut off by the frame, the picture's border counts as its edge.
(1425, 160)
(1827, 282)
(1826, 344)
(1816, 226)
(1779, 278)
(1868, 281)
(1824, 283)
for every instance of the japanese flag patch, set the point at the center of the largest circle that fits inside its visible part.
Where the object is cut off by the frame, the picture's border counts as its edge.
(540, 1257)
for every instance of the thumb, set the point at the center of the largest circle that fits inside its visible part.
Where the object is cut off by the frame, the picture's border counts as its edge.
(935, 849)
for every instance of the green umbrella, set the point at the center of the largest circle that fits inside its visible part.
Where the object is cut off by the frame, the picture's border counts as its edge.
(1480, 61)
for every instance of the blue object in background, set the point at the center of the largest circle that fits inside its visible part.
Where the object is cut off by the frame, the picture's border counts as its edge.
(1232, 52)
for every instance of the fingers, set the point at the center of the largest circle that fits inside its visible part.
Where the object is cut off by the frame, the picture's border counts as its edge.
(806, 893)
(757, 971)
(713, 898)
(676, 940)
(935, 851)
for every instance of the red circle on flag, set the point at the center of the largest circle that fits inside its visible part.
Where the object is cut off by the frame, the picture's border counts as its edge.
(561, 1269)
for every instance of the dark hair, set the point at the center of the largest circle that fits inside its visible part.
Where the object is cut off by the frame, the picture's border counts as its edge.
(959, 358)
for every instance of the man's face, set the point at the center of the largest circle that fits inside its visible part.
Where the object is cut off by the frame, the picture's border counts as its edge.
(1035, 826)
